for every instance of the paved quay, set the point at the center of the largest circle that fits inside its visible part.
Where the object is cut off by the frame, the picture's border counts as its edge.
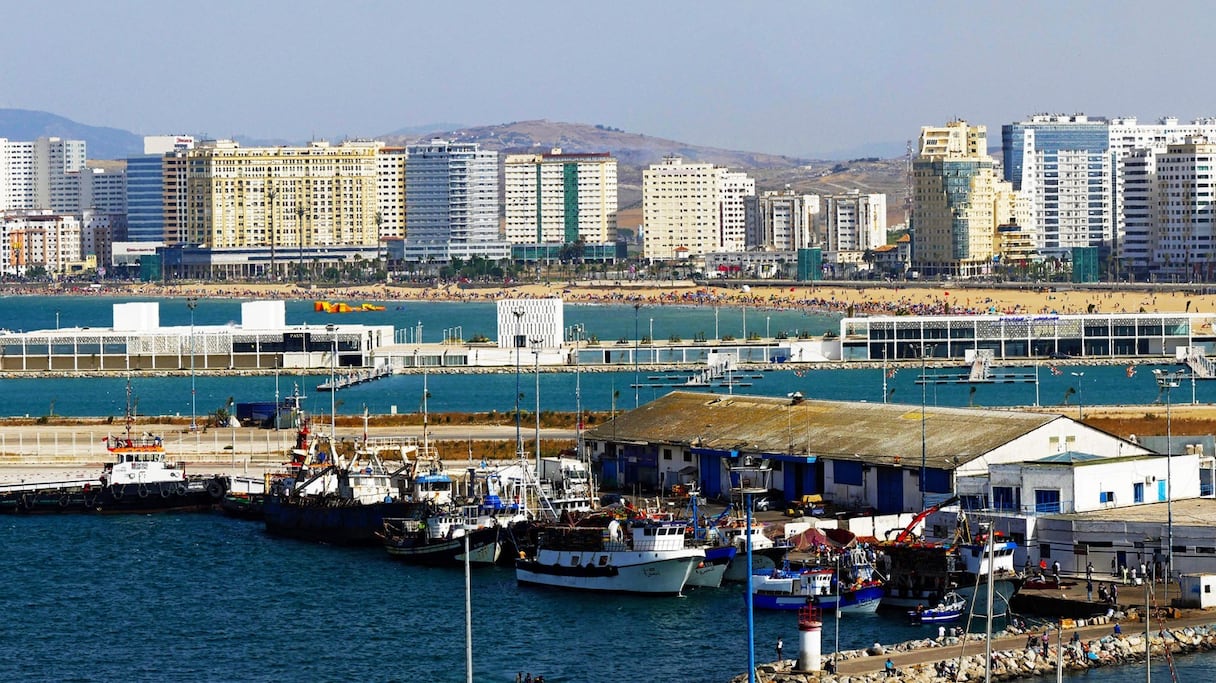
(1184, 630)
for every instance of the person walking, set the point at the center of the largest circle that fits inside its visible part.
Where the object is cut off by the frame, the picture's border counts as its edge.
(1089, 590)
(1089, 571)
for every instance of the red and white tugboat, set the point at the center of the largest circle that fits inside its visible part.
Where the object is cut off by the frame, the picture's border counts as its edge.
(138, 480)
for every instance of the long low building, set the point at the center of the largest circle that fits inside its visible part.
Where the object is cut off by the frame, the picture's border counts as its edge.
(262, 341)
(1023, 337)
(885, 458)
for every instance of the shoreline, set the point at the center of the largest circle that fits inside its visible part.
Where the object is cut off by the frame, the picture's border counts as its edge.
(1012, 656)
(856, 298)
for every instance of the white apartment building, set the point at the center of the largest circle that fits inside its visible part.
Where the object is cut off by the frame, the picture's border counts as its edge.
(390, 191)
(737, 189)
(38, 238)
(853, 223)
(1184, 198)
(784, 221)
(560, 198)
(451, 191)
(701, 208)
(42, 174)
(103, 188)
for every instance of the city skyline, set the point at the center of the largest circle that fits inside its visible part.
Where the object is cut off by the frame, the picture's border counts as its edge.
(816, 81)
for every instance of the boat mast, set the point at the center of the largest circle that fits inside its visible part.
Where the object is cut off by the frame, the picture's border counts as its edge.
(988, 621)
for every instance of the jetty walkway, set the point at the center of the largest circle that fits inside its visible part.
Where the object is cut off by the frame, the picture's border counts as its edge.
(918, 660)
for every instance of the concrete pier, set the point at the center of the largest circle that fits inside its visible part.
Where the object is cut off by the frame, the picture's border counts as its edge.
(920, 661)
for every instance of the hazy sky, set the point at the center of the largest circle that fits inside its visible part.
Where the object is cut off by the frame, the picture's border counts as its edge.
(795, 78)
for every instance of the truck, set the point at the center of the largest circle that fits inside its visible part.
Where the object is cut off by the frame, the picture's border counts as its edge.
(567, 477)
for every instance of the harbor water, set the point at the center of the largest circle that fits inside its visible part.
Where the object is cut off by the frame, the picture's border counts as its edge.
(600, 390)
(197, 597)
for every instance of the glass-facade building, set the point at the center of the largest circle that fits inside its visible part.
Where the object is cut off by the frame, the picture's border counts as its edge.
(145, 199)
(1064, 163)
(1106, 335)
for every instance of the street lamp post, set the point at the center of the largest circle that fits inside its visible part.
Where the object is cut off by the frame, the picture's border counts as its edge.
(333, 378)
(1167, 381)
(1080, 396)
(300, 211)
(519, 439)
(636, 401)
(191, 303)
(924, 395)
(652, 331)
(536, 369)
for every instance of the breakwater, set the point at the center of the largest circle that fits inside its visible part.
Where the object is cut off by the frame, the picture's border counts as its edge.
(922, 661)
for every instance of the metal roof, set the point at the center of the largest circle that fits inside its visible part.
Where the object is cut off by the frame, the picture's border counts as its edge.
(875, 433)
(1068, 457)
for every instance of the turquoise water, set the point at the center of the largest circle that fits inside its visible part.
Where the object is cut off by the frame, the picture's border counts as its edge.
(483, 392)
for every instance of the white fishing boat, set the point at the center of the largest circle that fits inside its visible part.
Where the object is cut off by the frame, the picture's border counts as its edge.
(642, 556)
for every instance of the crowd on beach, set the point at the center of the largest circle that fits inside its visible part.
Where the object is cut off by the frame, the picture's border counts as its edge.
(885, 300)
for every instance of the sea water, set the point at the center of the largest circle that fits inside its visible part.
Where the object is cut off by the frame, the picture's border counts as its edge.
(201, 597)
(596, 390)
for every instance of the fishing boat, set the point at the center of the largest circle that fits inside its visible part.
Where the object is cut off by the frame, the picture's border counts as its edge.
(435, 537)
(710, 572)
(950, 609)
(767, 554)
(139, 479)
(624, 556)
(849, 584)
(920, 572)
(332, 498)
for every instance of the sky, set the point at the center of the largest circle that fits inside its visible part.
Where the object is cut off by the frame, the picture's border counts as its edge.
(798, 78)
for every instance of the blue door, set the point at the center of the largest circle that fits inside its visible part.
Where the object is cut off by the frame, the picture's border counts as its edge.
(789, 481)
(711, 475)
(1160, 489)
(890, 490)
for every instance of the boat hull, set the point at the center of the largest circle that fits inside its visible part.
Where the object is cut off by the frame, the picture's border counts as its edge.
(864, 599)
(191, 495)
(905, 600)
(330, 520)
(762, 559)
(710, 572)
(625, 572)
(484, 549)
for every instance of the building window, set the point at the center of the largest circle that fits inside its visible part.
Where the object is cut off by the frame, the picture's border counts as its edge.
(1106, 497)
(1047, 501)
(687, 456)
(1045, 550)
(667, 454)
(1138, 492)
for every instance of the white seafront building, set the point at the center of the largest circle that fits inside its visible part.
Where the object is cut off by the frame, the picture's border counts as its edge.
(263, 340)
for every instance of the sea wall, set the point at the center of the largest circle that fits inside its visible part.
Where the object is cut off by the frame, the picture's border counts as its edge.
(1008, 664)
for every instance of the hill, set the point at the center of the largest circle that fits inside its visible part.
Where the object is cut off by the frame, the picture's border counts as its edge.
(635, 151)
(102, 142)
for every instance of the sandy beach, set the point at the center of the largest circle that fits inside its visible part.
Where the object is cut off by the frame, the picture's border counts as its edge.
(854, 298)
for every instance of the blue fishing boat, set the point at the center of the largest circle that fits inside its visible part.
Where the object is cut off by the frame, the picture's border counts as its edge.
(848, 584)
(950, 609)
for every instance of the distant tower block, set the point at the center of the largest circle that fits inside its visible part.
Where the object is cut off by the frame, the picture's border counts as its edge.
(810, 630)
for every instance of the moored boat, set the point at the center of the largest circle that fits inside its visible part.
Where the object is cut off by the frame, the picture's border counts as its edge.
(651, 559)
(950, 609)
(848, 584)
(140, 479)
(433, 537)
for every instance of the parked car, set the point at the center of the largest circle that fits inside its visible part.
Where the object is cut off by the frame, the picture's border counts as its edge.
(768, 501)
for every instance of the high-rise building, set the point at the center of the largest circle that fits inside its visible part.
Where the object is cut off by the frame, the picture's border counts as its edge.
(1171, 196)
(1063, 163)
(785, 221)
(156, 190)
(853, 223)
(957, 202)
(281, 198)
(390, 191)
(560, 198)
(693, 209)
(451, 196)
(42, 174)
(103, 188)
